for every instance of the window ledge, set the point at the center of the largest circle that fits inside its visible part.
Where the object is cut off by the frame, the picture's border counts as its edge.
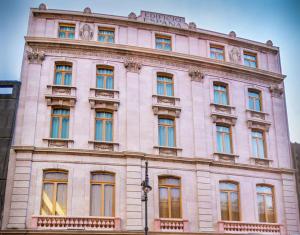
(225, 157)
(228, 109)
(104, 103)
(171, 225)
(59, 143)
(172, 111)
(224, 118)
(106, 93)
(104, 145)
(66, 100)
(261, 161)
(169, 151)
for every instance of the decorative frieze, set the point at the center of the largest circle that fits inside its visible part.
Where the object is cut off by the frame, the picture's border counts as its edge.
(61, 90)
(104, 146)
(61, 100)
(172, 111)
(276, 91)
(132, 64)
(165, 100)
(59, 143)
(225, 157)
(168, 151)
(86, 32)
(196, 74)
(221, 108)
(256, 114)
(100, 103)
(261, 161)
(104, 93)
(223, 118)
(34, 55)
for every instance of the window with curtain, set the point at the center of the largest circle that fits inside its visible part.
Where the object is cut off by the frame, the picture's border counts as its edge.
(254, 98)
(165, 85)
(63, 74)
(265, 200)
(60, 123)
(106, 35)
(66, 31)
(250, 59)
(223, 139)
(166, 132)
(169, 197)
(217, 52)
(229, 199)
(163, 42)
(258, 144)
(102, 194)
(104, 126)
(54, 193)
(105, 78)
(220, 94)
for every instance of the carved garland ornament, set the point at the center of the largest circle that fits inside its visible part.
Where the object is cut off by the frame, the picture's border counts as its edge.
(34, 55)
(196, 74)
(132, 64)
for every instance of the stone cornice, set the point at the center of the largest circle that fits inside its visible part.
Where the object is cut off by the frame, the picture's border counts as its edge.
(125, 21)
(91, 47)
(140, 155)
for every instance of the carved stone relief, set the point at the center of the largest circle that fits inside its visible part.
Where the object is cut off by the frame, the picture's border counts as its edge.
(34, 55)
(132, 64)
(86, 32)
(196, 74)
(235, 55)
(276, 91)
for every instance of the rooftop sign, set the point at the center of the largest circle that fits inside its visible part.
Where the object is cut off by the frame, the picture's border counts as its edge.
(157, 18)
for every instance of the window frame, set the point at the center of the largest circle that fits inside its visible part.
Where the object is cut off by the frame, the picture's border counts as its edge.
(60, 116)
(55, 182)
(249, 53)
(216, 83)
(273, 202)
(104, 126)
(223, 139)
(108, 67)
(163, 36)
(165, 75)
(229, 199)
(110, 29)
(169, 187)
(64, 72)
(264, 143)
(259, 92)
(103, 183)
(167, 135)
(216, 46)
(73, 25)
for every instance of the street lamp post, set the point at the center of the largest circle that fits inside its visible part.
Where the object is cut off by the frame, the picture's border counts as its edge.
(146, 189)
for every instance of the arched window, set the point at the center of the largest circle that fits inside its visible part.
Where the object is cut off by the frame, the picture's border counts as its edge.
(63, 73)
(104, 126)
(266, 205)
(54, 193)
(165, 84)
(166, 132)
(169, 197)
(229, 199)
(105, 77)
(102, 194)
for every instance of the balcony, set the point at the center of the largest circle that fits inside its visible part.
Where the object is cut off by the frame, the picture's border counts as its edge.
(171, 225)
(253, 228)
(80, 223)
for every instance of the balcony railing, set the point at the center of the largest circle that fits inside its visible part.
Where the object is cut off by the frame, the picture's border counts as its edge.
(67, 222)
(171, 225)
(241, 227)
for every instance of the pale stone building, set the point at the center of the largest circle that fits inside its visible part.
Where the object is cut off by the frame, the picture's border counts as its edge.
(102, 94)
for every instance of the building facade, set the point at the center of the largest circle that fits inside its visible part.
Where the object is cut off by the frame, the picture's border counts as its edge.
(102, 94)
(296, 156)
(9, 96)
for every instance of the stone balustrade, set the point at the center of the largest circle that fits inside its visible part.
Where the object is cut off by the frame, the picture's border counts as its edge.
(68, 222)
(242, 227)
(171, 225)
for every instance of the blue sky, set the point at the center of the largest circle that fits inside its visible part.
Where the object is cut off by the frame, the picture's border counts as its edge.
(259, 20)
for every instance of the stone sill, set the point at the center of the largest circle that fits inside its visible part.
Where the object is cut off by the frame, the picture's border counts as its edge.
(61, 86)
(104, 93)
(104, 103)
(169, 151)
(59, 143)
(104, 145)
(222, 108)
(261, 161)
(225, 157)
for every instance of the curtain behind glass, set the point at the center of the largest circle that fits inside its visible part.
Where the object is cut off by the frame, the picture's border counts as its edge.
(109, 82)
(224, 206)
(47, 197)
(163, 203)
(65, 128)
(96, 200)
(68, 79)
(55, 127)
(162, 136)
(100, 81)
(234, 206)
(261, 208)
(58, 78)
(108, 131)
(61, 199)
(98, 133)
(175, 203)
(108, 200)
(171, 137)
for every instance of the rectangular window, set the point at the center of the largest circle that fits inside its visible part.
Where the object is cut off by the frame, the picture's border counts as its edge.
(223, 139)
(258, 145)
(54, 194)
(266, 203)
(104, 126)
(217, 52)
(106, 35)
(105, 78)
(169, 197)
(102, 194)
(254, 98)
(63, 74)
(250, 59)
(66, 31)
(60, 123)
(165, 85)
(229, 198)
(163, 42)
(166, 132)
(220, 94)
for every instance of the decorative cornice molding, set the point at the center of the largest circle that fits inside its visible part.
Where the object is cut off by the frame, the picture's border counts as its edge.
(132, 64)
(34, 55)
(196, 74)
(147, 55)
